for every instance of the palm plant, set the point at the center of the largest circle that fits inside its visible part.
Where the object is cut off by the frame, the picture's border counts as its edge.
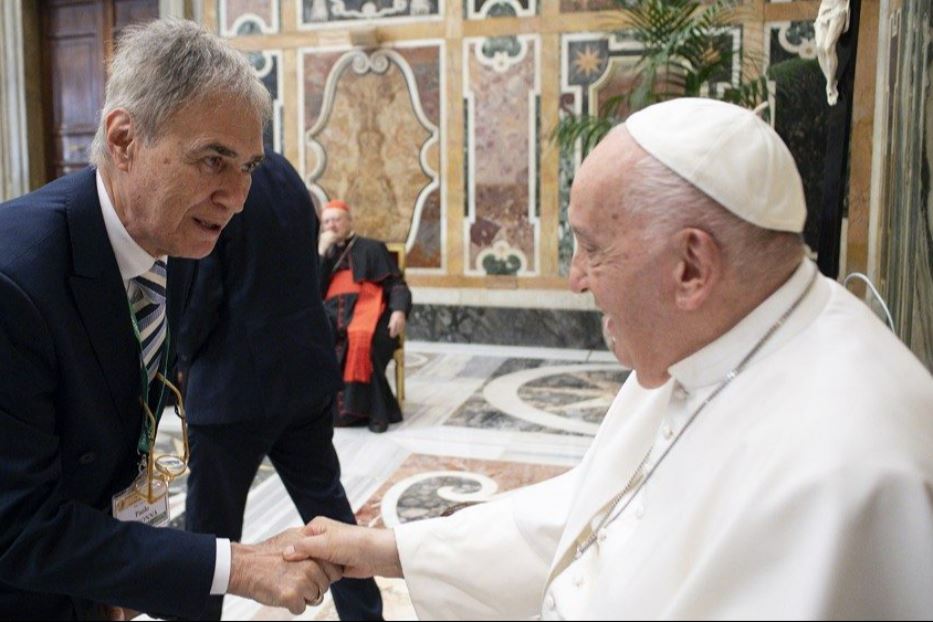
(685, 51)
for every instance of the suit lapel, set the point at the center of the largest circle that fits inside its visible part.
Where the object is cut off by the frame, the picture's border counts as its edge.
(100, 296)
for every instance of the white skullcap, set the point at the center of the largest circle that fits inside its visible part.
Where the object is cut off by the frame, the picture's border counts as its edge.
(728, 153)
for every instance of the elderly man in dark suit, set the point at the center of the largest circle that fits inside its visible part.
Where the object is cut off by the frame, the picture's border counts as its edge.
(85, 319)
(258, 356)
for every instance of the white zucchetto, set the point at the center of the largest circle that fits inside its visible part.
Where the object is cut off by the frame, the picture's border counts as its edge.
(730, 154)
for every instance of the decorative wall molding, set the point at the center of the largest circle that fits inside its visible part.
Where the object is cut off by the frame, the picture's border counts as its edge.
(248, 17)
(314, 14)
(501, 89)
(793, 38)
(529, 298)
(485, 9)
(424, 128)
(14, 153)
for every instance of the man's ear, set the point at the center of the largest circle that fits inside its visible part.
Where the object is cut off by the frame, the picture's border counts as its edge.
(122, 141)
(698, 270)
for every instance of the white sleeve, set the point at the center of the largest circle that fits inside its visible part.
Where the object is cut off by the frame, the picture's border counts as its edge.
(489, 561)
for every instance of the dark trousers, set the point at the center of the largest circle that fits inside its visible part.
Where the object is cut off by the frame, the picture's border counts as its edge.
(224, 461)
(373, 401)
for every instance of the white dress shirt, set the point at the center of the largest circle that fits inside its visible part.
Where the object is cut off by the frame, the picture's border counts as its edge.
(133, 261)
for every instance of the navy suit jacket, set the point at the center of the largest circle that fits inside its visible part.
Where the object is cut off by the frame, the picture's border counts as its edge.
(70, 418)
(254, 337)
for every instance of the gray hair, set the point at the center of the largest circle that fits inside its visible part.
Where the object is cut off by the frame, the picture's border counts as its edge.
(166, 64)
(668, 203)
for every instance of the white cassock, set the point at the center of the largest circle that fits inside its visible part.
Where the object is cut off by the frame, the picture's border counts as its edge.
(804, 490)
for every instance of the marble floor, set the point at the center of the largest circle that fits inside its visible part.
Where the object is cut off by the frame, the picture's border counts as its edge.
(479, 420)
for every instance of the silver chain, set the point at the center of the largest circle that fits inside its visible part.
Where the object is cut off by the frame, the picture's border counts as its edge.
(639, 477)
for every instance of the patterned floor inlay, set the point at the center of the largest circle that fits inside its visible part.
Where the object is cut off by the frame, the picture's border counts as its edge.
(543, 396)
(430, 486)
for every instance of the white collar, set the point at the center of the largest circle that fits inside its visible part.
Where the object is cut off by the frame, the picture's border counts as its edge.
(132, 259)
(712, 362)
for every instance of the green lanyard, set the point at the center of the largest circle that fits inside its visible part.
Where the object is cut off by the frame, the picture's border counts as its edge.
(148, 432)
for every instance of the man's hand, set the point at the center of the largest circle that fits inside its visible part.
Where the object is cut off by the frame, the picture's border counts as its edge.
(361, 552)
(270, 580)
(275, 544)
(396, 324)
(327, 239)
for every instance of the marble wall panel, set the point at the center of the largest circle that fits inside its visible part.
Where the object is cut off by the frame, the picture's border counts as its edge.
(248, 17)
(501, 102)
(801, 114)
(594, 68)
(546, 328)
(576, 6)
(268, 67)
(317, 13)
(372, 137)
(482, 9)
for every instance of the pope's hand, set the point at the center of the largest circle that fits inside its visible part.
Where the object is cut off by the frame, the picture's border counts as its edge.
(360, 551)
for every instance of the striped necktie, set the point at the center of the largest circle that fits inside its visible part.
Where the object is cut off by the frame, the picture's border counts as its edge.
(148, 304)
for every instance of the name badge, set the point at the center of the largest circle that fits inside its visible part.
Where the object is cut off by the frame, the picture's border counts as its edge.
(132, 504)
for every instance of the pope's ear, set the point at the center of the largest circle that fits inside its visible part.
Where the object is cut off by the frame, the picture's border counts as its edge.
(698, 270)
(120, 136)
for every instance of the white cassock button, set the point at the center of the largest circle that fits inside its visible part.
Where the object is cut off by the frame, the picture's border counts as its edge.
(667, 432)
(549, 602)
(601, 536)
(577, 579)
(679, 392)
(639, 511)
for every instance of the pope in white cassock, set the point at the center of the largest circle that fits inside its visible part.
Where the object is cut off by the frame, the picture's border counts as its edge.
(771, 456)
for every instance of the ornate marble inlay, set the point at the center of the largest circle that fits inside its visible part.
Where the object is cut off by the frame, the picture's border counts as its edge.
(482, 9)
(535, 397)
(239, 18)
(789, 39)
(501, 102)
(426, 486)
(373, 138)
(335, 12)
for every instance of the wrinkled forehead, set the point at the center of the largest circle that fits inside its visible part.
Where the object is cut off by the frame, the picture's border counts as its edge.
(599, 185)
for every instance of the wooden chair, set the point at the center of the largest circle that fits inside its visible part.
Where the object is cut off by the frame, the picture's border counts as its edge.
(397, 251)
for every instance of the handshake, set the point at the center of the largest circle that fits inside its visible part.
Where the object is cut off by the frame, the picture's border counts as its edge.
(295, 568)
